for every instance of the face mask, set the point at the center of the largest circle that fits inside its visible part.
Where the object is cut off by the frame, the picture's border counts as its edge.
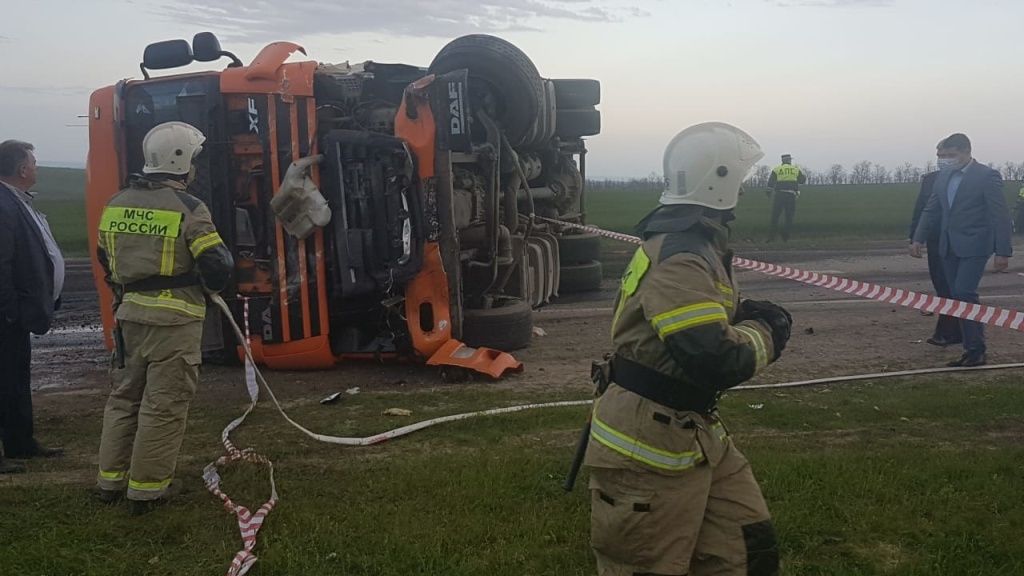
(947, 163)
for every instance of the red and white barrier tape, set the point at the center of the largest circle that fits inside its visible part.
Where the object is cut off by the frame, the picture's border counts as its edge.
(249, 523)
(991, 315)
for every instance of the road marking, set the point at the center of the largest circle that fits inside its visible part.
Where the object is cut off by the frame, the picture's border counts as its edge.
(79, 330)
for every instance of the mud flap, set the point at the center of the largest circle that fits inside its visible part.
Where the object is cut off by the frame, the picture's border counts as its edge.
(493, 363)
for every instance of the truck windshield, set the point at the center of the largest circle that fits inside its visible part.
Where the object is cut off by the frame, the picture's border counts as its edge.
(152, 102)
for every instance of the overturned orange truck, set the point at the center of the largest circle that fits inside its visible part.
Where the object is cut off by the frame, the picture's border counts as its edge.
(374, 210)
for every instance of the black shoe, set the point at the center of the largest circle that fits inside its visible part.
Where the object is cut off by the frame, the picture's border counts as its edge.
(10, 467)
(940, 341)
(968, 361)
(143, 507)
(108, 496)
(38, 451)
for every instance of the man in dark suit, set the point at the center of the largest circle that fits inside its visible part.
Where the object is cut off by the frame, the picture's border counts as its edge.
(31, 278)
(947, 328)
(968, 209)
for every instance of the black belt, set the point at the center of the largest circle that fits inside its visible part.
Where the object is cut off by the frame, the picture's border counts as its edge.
(660, 388)
(162, 283)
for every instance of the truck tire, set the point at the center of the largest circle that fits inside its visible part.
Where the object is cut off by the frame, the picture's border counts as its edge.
(506, 71)
(580, 278)
(575, 123)
(507, 326)
(579, 248)
(577, 92)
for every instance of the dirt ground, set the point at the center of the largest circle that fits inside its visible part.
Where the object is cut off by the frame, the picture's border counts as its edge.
(833, 335)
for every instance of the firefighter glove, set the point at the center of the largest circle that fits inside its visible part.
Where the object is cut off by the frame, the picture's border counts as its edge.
(777, 318)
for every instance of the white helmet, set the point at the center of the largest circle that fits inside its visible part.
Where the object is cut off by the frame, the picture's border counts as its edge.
(169, 148)
(706, 163)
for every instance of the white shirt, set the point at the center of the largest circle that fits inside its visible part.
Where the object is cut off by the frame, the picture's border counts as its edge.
(51, 245)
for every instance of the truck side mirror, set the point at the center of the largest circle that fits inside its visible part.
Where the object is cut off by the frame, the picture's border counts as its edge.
(166, 54)
(206, 48)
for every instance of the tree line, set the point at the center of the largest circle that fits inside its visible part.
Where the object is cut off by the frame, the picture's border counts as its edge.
(863, 172)
(866, 172)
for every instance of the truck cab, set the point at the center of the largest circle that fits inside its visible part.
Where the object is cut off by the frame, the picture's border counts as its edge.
(374, 210)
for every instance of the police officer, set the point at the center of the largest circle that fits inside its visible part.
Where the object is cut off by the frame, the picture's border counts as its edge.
(670, 492)
(160, 250)
(785, 183)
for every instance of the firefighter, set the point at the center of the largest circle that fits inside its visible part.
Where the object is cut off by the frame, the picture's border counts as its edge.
(670, 492)
(160, 251)
(785, 183)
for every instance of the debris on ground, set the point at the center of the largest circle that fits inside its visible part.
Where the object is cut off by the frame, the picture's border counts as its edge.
(538, 331)
(331, 399)
(397, 412)
(755, 406)
(352, 391)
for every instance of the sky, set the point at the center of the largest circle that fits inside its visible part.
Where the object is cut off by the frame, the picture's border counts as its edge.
(825, 80)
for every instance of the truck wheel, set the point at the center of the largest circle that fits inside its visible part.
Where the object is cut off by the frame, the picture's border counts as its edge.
(577, 92)
(507, 326)
(579, 248)
(580, 278)
(577, 122)
(499, 71)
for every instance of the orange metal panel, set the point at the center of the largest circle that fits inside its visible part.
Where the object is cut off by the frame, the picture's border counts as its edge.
(420, 132)
(268, 74)
(429, 289)
(102, 181)
(275, 179)
(306, 354)
(493, 363)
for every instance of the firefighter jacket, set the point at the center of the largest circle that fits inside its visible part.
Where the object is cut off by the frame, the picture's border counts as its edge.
(678, 343)
(786, 178)
(159, 248)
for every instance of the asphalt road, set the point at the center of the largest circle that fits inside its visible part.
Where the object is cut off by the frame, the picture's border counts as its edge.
(866, 335)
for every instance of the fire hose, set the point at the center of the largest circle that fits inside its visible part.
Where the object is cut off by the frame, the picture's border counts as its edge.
(249, 523)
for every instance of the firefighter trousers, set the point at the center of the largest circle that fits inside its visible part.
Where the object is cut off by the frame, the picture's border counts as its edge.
(144, 420)
(711, 520)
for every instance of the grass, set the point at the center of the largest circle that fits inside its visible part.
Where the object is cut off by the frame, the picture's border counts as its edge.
(826, 216)
(875, 478)
(61, 196)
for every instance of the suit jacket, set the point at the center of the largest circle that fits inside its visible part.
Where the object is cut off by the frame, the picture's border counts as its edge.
(26, 271)
(978, 222)
(927, 186)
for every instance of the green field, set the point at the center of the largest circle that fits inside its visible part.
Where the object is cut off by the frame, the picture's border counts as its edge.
(877, 478)
(827, 216)
(61, 196)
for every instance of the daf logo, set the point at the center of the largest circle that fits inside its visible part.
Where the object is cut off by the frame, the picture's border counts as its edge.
(456, 108)
(254, 117)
